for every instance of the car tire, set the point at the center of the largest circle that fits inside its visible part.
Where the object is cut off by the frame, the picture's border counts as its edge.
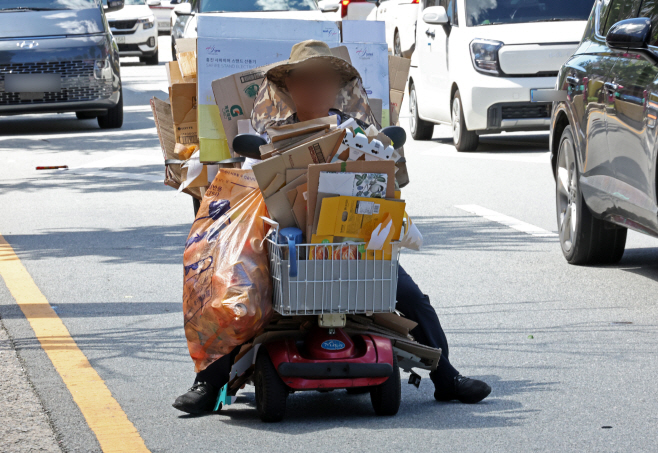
(464, 140)
(584, 239)
(271, 392)
(386, 397)
(114, 117)
(173, 49)
(153, 60)
(86, 115)
(420, 129)
(397, 44)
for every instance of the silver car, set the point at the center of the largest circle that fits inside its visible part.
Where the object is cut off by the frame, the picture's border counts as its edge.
(59, 56)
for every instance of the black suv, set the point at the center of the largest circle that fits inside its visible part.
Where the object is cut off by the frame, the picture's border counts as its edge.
(603, 135)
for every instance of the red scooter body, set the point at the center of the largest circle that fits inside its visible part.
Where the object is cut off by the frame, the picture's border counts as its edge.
(325, 360)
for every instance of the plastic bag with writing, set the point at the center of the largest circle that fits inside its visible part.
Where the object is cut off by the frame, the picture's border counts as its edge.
(227, 292)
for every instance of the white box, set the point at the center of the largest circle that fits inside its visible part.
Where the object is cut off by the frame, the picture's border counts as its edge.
(366, 42)
(227, 45)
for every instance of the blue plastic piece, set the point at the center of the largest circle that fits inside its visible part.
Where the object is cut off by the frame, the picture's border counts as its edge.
(222, 399)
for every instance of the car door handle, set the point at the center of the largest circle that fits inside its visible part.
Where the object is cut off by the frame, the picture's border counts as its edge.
(611, 86)
(572, 80)
(430, 34)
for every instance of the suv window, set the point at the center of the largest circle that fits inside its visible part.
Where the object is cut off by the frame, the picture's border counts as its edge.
(650, 9)
(616, 10)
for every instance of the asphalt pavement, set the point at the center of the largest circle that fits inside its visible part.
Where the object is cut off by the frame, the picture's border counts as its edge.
(569, 351)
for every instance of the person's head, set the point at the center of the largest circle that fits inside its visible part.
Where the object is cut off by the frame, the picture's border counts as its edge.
(313, 77)
(313, 86)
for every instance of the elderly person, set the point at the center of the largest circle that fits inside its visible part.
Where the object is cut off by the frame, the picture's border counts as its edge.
(310, 85)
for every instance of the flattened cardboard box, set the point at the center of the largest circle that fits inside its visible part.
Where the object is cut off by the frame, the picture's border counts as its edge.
(398, 73)
(234, 96)
(184, 112)
(313, 152)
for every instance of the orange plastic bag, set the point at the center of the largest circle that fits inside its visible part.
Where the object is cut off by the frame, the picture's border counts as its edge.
(227, 292)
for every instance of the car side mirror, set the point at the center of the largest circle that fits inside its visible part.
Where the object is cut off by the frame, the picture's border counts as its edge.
(113, 5)
(330, 7)
(436, 15)
(629, 34)
(183, 9)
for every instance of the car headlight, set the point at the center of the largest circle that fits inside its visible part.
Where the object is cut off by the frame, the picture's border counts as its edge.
(147, 22)
(484, 53)
(103, 69)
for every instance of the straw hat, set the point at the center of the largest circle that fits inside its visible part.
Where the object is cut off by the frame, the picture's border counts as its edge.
(309, 51)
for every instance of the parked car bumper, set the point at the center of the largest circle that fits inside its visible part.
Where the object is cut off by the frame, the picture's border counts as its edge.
(88, 67)
(137, 42)
(495, 104)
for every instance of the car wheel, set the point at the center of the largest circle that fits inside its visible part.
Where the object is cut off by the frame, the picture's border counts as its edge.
(271, 392)
(386, 397)
(397, 45)
(584, 238)
(114, 117)
(152, 60)
(463, 139)
(173, 49)
(420, 129)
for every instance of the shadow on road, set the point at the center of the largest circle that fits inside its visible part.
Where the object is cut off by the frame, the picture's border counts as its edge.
(309, 412)
(89, 184)
(148, 245)
(67, 123)
(509, 144)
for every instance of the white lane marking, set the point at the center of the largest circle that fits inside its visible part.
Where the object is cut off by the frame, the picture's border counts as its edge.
(508, 221)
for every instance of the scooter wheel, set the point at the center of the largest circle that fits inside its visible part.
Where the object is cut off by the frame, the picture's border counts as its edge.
(271, 392)
(386, 397)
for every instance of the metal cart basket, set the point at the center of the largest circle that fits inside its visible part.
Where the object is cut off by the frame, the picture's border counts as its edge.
(336, 285)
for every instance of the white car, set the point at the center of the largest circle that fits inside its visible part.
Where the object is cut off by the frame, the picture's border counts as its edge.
(162, 12)
(478, 62)
(135, 30)
(400, 17)
(287, 9)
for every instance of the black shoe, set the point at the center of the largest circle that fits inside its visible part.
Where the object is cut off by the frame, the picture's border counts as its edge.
(466, 390)
(198, 399)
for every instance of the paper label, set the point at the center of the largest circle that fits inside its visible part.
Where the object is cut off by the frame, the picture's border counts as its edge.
(367, 207)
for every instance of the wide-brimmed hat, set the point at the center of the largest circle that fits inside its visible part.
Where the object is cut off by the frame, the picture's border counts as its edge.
(306, 52)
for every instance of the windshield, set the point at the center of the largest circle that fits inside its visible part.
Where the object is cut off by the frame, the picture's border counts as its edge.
(46, 5)
(246, 6)
(491, 12)
(135, 2)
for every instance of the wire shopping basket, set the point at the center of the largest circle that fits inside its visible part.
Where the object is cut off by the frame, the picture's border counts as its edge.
(331, 278)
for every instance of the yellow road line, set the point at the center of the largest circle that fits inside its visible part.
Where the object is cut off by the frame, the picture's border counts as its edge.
(104, 415)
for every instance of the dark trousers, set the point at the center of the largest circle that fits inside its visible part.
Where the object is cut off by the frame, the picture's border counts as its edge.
(410, 301)
(416, 306)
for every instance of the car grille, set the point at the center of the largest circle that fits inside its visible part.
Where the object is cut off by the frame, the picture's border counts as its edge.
(516, 112)
(122, 24)
(128, 47)
(78, 82)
